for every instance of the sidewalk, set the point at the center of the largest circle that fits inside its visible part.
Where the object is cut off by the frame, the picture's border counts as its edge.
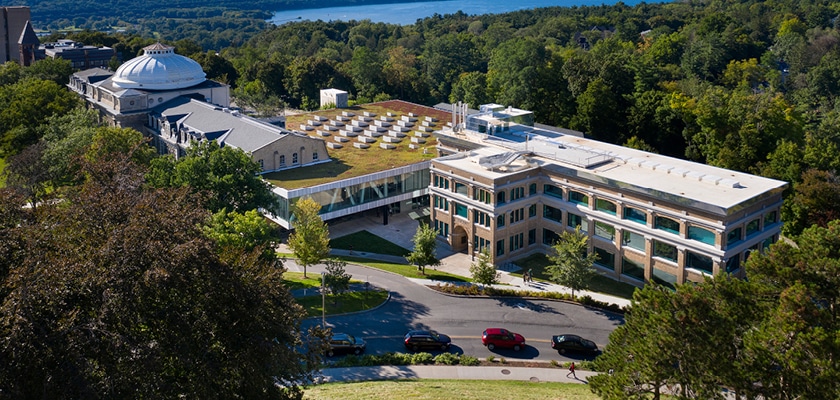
(501, 372)
(400, 230)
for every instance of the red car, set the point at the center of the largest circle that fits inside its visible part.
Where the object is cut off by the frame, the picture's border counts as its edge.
(498, 337)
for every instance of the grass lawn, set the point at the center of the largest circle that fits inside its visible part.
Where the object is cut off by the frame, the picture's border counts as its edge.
(408, 271)
(600, 284)
(343, 303)
(295, 280)
(365, 241)
(436, 389)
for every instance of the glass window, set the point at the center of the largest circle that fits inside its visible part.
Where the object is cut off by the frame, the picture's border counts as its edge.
(532, 236)
(604, 230)
(461, 210)
(605, 206)
(665, 251)
(553, 191)
(500, 221)
(752, 227)
(532, 210)
(701, 235)
(667, 225)
(576, 220)
(294, 158)
(282, 160)
(578, 198)
(635, 215)
(517, 193)
(461, 189)
(482, 195)
(550, 237)
(769, 219)
(500, 198)
(262, 164)
(633, 240)
(500, 247)
(605, 258)
(664, 278)
(699, 262)
(552, 213)
(532, 189)
(733, 264)
(632, 269)
(734, 236)
(315, 156)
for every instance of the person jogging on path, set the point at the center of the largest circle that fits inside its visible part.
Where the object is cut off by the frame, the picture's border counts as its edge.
(572, 370)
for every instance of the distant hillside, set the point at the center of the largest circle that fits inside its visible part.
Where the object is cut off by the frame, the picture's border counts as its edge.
(46, 12)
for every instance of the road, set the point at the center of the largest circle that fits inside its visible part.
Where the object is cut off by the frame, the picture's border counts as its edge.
(414, 306)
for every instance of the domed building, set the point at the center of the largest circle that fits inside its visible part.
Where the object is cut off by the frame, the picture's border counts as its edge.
(124, 98)
(168, 98)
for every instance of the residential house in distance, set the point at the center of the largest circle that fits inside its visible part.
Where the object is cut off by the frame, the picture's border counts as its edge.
(511, 188)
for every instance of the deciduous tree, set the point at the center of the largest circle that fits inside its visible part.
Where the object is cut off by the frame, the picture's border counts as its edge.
(336, 278)
(571, 267)
(310, 240)
(483, 271)
(425, 245)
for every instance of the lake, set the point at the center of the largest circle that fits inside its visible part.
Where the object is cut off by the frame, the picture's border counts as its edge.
(409, 13)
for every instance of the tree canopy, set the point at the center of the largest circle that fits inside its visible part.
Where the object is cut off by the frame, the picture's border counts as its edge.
(310, 241)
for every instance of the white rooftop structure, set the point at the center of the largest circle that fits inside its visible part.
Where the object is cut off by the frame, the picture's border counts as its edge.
(688, 183)
(159, 68)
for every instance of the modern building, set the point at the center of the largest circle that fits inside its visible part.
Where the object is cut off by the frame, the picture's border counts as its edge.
(511, 189)
(167, 97)
(81, 56)
(19, 42)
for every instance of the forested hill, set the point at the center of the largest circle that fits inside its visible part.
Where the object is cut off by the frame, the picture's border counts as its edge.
(46, 12)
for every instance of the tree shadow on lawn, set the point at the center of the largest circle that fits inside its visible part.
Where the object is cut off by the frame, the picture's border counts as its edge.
(397, 311)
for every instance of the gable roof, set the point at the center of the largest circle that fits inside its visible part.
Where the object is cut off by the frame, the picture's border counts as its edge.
(28, 35)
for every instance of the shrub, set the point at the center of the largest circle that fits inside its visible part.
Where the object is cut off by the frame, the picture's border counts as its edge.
(446, 359)
(502, 360)
(469, 360)
(491, 358)
(554, 363)
(395, 359)
(422, 358)
(475, 290)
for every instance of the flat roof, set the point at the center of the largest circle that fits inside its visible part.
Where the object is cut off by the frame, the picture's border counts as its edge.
(689, 183)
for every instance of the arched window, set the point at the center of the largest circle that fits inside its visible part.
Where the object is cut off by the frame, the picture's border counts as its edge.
(282, 160)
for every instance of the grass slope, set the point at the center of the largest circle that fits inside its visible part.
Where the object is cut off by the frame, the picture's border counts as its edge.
(431, 389)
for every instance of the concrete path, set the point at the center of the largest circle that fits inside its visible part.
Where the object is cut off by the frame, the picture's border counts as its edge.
(501, 372)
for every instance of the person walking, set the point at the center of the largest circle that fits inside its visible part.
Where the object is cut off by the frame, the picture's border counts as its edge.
(572, 370)
(530, 275)
(525, 278)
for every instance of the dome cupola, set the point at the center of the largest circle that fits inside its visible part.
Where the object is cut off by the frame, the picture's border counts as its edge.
(159, 68)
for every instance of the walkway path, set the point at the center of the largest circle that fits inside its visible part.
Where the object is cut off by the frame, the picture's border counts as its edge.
(501, 372)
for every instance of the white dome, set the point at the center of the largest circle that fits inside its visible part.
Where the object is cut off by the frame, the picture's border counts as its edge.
(159, 68)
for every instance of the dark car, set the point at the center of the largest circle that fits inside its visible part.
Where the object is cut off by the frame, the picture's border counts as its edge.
(344, 343)
(498, 337)
(415, 340)
(573, 343)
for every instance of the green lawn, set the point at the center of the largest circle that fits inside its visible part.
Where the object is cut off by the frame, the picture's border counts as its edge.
(295, 280)
(408, 271)
(365, 241)
(343, 303)
(600, 284)
(437, 389)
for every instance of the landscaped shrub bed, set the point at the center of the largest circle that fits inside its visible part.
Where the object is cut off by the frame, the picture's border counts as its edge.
(477, 290)
(369, 360)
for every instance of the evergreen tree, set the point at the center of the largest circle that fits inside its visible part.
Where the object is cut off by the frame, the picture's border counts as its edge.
(483, 271)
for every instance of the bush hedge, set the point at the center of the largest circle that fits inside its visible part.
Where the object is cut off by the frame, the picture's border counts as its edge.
(477, 290)
(404, 359)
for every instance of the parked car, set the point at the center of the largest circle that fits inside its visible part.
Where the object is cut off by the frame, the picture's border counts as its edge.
(498, 337)
(344, 343)
(415, 340)
(573, 343)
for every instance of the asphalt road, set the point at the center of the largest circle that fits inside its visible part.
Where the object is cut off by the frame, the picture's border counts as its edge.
(414, 306)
